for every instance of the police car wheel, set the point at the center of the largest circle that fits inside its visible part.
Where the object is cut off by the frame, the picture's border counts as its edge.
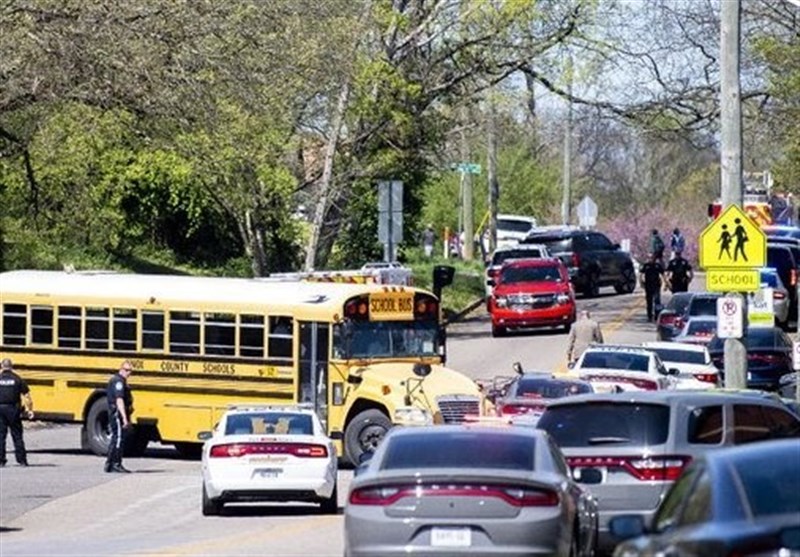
(97, 427)
(211, 507)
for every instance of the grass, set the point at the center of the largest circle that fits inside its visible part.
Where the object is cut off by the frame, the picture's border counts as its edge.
(467, 284)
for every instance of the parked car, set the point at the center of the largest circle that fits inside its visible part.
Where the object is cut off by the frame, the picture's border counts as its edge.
(697, 371)
(592, 259)
(697, 330)
(668, 320)
(628, 448)
(703, 514)
(507, 253)
(788, 385)
(780, 296)
(512, 228)
(775, 231)
(532, 293)
(769, 356)
(531, 392)
(781, 258)
(468, 490)
(268, 453)
(623, 367)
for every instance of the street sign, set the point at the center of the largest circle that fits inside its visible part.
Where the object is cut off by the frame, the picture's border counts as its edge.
(760, 310)
(587, 212)
(733, 280)
(730, 317)
(733, 241)
(467, 167)
(390, 212)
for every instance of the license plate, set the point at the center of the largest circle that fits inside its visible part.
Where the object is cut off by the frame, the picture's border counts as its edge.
(451, 537)
(267, 472)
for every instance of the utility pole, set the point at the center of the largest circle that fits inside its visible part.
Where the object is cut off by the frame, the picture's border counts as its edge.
(466, 180)
(567, 172)
(735, 355)
(494, 185)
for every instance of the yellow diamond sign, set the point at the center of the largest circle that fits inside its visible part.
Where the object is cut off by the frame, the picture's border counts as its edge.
(733, 241)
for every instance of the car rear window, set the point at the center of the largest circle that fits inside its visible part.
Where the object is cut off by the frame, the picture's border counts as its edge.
(554, 245)
(763, 338)
(505, 255)
(592, 424)
(512, 275)
(701, 327)
(703, 305)
(615, 360)
(680, 356)
(773, 489)
(678, 303)
(548, 389)
(468, 449)
(279, 423)
(513, 225)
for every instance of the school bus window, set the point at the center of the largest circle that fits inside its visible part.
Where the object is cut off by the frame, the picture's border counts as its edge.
(219, 334)
(69, 327)
(153, 330)
(280, 338)
(42, 325)
(15, 320)
(184, 332)
(97, 328)
(251, 336)
(125, 330)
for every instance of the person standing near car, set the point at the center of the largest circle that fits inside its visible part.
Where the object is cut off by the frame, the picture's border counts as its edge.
(13, 389)
(428, 239)
(120, 407)
(679, 274)
(651, 276)
(584, 331)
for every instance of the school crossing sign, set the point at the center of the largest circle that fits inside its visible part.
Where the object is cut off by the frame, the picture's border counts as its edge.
(732, 249)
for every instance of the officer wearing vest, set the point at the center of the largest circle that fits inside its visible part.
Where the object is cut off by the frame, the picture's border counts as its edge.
(120, 407)
(13, 389)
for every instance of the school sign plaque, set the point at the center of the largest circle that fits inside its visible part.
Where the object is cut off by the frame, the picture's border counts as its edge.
(732, 249)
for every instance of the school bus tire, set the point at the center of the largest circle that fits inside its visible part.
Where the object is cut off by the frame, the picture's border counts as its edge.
(364, 432)
(97, 427)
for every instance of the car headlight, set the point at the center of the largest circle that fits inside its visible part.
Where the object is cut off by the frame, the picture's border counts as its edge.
(562, 298)
(501, 301)
(411, 415)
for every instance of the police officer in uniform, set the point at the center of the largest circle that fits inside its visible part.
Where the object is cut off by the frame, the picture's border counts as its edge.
(120, 407)
(651, 276)
(12, 389)
(679, 273)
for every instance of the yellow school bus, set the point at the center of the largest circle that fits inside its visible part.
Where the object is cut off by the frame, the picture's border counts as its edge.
(365, 356)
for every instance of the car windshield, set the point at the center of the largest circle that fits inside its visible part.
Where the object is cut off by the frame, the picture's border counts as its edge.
(514, 225)
(703, 305)
(680, 356)
(772, 489)
(278, 423)
(678, 303)
(462, 449)
(626, 361)
(500, 256)
(385, 339)
(513, 275)
(544, 388)
(701, 327)
(599, 423)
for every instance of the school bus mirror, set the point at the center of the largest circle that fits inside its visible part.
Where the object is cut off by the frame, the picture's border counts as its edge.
(204, 435)
(354, 379)
(422, 370)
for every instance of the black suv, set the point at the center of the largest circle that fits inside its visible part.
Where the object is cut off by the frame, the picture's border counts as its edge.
(592, 259)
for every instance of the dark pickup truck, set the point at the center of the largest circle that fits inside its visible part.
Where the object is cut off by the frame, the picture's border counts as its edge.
(592, 259)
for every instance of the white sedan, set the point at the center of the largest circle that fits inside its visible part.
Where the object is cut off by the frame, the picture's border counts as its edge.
(268, 453)
(611, 368)
(693, 361)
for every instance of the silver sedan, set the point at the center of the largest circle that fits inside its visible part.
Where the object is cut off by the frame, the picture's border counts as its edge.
(468, 490)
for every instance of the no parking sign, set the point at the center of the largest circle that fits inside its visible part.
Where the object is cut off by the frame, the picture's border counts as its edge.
(730, 316)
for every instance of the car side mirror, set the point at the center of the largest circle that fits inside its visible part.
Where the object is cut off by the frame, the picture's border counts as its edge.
(673, 371)
(517, 367)
(204, 435)
(625, 527)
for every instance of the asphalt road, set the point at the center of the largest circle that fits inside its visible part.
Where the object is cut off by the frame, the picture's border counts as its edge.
(65, 505)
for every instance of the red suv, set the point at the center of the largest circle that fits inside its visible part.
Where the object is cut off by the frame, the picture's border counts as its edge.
(532, 293)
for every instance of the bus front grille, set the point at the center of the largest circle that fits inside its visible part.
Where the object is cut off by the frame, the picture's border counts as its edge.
(454, 408)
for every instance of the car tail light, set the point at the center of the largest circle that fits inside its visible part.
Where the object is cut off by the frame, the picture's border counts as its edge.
(668, 319)
(793, 278)
(644, 468)
(575, 260)
(517, 409)
(306, 450)
(678, 323)
(707, 377)
(765, 358)
(517, 496)
(778, 295)
(645, 384)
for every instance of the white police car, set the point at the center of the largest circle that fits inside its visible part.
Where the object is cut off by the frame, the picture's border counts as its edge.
(268, 453)
(611, 368)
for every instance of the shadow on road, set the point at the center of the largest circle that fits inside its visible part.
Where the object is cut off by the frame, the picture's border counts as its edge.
(4, 529)
(272, 510)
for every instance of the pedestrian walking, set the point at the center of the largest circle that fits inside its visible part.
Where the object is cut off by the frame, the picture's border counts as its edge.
(651, 276)
(679, 273)
(584, 332)
(13, 390)
(120, 408)
(656, 244)
(677, 242)
(428, 240)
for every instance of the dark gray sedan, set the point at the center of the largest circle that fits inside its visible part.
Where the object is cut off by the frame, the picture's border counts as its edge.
(468, 490)
(736, 501)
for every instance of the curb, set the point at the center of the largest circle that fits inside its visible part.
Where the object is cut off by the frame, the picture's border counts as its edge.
(464, 312)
